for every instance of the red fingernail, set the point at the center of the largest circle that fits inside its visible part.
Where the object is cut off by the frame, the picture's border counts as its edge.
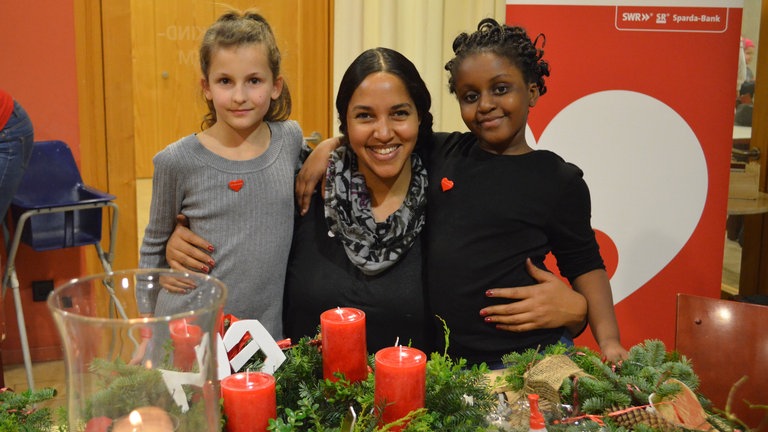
(483, 313)
(211, 263)
(489, 293)
(210, 248)
(488, 319)
(204, 269)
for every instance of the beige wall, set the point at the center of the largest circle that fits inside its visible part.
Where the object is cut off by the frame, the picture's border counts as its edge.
(750, 25)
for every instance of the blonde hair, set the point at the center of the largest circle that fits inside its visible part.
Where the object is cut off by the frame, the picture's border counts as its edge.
(234, 29)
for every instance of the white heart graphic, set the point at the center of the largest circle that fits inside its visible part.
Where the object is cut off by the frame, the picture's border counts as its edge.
(646, 172)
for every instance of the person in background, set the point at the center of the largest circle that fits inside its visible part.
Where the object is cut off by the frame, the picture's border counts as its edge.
(234, 180)
(749, 54)
(17, 137)
(743, 114)
(734, 224)
(744, 73)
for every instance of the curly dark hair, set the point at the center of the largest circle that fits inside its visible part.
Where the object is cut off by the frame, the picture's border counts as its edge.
(510, 42)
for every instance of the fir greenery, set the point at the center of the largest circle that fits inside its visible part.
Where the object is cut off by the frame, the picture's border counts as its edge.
(611, 388)
(127, 387)
(124, 388)
(307, 402)
(18, 414)
(458, 397)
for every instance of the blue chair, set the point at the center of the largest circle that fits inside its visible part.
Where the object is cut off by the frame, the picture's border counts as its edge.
(53, 209)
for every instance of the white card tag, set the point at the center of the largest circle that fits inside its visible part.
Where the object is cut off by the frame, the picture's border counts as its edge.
(260, 340)
(174, 380)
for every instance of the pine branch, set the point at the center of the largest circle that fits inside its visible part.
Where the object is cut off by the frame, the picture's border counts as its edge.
(18, 412)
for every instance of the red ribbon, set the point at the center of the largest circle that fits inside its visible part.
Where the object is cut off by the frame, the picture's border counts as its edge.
(226, 321)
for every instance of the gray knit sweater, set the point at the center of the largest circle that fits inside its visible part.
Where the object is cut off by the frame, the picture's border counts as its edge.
(251, 228)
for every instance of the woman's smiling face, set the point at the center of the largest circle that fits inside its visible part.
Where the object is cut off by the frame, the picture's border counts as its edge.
(382, 126)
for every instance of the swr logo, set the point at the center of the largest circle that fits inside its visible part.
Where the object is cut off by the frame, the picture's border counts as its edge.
(636, 16)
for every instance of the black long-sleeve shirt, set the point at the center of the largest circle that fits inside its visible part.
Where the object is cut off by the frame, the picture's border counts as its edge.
(499, 211)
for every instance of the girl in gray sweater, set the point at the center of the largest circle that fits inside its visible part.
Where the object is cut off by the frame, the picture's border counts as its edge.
(233, 180)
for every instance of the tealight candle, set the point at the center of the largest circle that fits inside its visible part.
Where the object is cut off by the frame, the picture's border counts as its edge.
(185, 337)
(144, 419)
(400, 382)
(249, 401)
(342, 332)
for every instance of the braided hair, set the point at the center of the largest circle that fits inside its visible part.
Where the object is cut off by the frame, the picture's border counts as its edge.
(508, 42)
(235, 29)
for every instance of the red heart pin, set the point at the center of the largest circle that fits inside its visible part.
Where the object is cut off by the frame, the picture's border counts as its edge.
(236, 185)
(446, 184)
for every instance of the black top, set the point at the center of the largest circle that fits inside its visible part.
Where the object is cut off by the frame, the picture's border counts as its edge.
(499, 211)
(321, 277)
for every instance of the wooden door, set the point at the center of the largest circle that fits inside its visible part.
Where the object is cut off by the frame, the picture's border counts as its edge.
(140, 88)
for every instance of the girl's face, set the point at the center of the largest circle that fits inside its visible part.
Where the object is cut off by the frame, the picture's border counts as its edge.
(494, 100)
(382, 126)
(241, 86)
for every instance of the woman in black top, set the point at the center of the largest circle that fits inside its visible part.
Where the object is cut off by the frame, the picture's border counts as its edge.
(359, 245)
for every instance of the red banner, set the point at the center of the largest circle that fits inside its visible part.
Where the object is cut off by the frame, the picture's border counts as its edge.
(641, 97)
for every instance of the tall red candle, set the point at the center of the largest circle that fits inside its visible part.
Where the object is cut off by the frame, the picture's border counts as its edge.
(400, 382)
(249, 401)
(185, 337)
(344, 350)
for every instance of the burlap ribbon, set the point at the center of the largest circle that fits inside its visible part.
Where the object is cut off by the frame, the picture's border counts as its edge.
(546, 377)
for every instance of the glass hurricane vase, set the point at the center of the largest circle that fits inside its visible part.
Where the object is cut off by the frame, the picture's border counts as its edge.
(139, 349)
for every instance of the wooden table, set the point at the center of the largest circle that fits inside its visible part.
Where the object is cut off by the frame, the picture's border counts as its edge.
(738, 206)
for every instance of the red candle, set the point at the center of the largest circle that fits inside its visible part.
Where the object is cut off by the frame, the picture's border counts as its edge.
(185, 338)
(249, 401)
(344, 350)
(400, 382)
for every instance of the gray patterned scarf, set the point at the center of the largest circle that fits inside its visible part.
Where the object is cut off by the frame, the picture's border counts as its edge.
(372, 247)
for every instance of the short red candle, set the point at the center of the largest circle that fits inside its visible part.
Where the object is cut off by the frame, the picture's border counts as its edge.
(249, 401)
(185, 338)
(400, 382)
(344, 350)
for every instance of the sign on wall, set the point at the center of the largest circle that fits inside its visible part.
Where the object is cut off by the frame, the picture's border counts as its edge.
(641, 97)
